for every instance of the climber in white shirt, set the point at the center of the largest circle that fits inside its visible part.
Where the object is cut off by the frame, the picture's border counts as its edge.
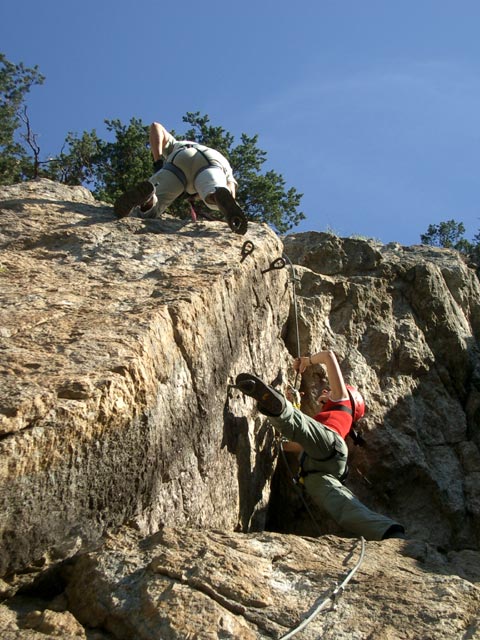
(184, 167)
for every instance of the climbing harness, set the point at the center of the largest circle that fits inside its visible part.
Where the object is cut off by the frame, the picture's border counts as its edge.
(179, 173)
(301, 474)
(173, 168)
(354, 433)
(332, 597)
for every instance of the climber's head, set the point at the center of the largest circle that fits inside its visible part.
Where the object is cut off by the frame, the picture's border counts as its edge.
(324, 395)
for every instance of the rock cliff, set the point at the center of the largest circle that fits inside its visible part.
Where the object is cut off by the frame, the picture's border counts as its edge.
(128, 464)
(405, 325)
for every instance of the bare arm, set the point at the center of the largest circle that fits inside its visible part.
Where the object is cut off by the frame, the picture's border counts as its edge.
(292, 447)
(334, 373)
(231, 186)
(159, 138)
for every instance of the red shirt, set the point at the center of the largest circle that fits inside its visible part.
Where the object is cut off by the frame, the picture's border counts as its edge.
(339, 421)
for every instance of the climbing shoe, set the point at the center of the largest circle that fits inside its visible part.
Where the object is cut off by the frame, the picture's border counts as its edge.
(231, 211)
(395, 531)
(270, 402)
(135, 197)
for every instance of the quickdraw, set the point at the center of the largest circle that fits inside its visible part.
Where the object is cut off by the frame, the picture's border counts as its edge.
(337, 591)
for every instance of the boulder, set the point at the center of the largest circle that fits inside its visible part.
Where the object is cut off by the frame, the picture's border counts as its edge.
(182, 583)
(119, 341)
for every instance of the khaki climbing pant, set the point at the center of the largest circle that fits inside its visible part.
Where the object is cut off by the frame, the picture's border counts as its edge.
(199, 177)
(325, 462)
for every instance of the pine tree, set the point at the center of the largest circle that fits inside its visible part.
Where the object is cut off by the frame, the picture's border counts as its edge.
(110, 168)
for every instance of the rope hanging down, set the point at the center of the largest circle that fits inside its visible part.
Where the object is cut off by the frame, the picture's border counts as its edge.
(335, 593)
(280, 263)
(295, 310)
(286, 260)
(338, 590)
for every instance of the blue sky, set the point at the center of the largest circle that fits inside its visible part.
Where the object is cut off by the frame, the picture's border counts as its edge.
(370, 109)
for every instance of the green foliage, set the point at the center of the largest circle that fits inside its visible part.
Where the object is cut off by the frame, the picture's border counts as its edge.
(449, 235)
(16, 81)
(110, 168)
(475, 252)
(262, 196)
(78, 166)
(125, 161)
(446, 234)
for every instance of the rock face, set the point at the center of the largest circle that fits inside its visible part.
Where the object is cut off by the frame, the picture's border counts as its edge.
(119, 339)
(127, 462)
(180, 583)
(405, 325)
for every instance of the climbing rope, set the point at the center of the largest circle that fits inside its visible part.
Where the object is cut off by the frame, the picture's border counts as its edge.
(337, 590)
(294, 297)
(331, 597)
(281, 263)
(286, 260)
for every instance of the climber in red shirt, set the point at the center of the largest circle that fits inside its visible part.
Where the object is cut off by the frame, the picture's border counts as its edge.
(321, 442)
